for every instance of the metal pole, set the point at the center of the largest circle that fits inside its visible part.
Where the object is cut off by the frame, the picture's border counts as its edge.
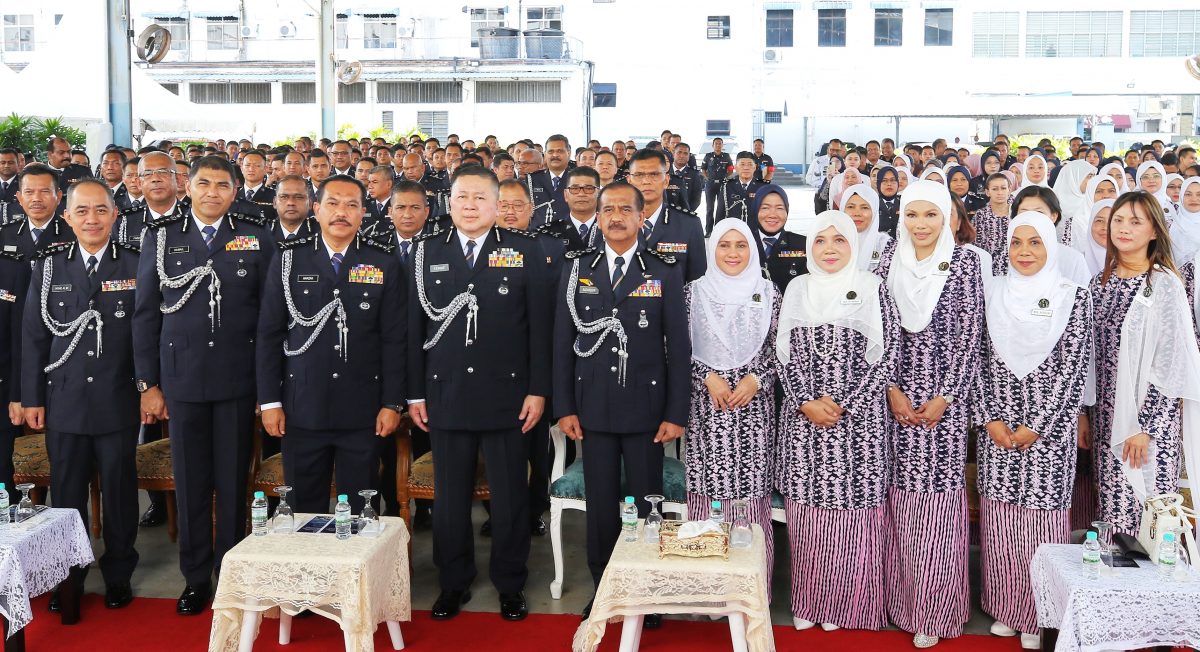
(120, 94)
(326, 70)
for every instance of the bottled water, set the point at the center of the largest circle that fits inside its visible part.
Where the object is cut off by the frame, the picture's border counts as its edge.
(1091, 557)
(1168, 555)
(341, 517)
(3, 504)
(258, 514)
(715, 513)
(629, 519)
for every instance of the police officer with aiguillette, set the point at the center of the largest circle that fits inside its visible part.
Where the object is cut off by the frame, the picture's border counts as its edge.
(479, 373)
(331, 337)
(41, 225)
(687, 184)
(736, 194)
(666, 229)
(200, 282)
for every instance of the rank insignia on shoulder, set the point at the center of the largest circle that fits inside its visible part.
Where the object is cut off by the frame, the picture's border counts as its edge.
(663, 256)
(259, 220)
(11, 253)
(165, 220)
(55, 248)
(578, 253)
(284, 245)
(135, 247)
(5, 295)
(427, 236)
(527, 234)
(386, 246)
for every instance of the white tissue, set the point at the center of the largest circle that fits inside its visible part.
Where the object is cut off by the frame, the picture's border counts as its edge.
(692, 529)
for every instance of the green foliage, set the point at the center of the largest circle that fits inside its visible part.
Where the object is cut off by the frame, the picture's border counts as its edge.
(348, 131)
(30, 134)
(1061, 145)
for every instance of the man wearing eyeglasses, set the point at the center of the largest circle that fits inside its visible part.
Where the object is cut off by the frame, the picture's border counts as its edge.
(155, 173)
(292, 206)
(667, 229)
(133, 183)
(339, 156)
(578, 230)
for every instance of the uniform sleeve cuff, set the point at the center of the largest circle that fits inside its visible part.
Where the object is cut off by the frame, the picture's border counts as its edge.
(270, 406)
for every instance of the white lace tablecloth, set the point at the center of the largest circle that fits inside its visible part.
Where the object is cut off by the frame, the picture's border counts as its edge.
(636, 582)
(35, 556)
(1125, 609)
(358, 582)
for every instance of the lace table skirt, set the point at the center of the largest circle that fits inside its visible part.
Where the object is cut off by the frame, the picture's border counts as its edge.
(359, 582)
(637, 582)
(36, 556)
(1125, 609)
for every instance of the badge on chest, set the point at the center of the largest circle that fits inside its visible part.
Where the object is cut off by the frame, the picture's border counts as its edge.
(506, 257)
(119, 285)
(650, 288)
(243, 243)
(369, 274)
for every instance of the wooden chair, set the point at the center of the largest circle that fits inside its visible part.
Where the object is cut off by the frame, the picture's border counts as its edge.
(155, 473)
(414, 478)
(31, 463)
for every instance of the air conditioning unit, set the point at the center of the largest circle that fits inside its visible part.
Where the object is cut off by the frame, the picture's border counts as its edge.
(248, 31)
(287, 30)
(772, 56)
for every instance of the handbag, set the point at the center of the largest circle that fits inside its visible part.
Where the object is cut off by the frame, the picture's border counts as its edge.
(1161, 514)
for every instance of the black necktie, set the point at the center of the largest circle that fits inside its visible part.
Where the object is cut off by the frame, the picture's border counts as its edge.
(36, 233)
(290, 236)
(554, 183)
(470, 255)
(647, 228)
(769, 245)
(336, 261)
(404, 252)
(91, 265)
(583, 231)
(618, 271)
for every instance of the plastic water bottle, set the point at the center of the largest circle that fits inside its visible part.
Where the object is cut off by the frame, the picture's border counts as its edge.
(629, 519)
(341, 517)
(715, 513)
(1168, 555)
(1091, 557)
(258, 514)
(3, 504)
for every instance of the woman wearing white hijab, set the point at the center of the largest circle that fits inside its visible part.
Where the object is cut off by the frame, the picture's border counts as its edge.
(862, 205)
(1071, 185)
(1146, 362)
(1036, 172)
(733, 314)
(1185, 238)
(1031, 390)
(1116, 171)
(933, 171)
(1094, 245)
(938, 289)
(1152, 177)
(837, 346)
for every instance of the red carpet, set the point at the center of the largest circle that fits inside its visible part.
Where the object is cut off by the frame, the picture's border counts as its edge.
(151, 624)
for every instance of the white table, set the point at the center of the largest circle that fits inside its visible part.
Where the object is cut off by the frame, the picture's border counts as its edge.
(636, 582)
(35, 557)
(358, 582)
(1125, 609)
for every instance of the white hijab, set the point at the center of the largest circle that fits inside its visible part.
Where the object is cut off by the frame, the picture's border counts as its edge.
(1066, 186)
(1185, 230)
(931, 170)
(1027, 315)
(848, 298)
(1122, 184)
(916, 285)
(1025, 182)
(1163, 200)
(871, 242)
(730, 315)
(1093, 253)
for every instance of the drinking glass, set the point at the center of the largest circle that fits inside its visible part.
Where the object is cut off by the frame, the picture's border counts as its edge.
(740, 535)
(1104, 534)
(654, 519)
(25, 507)
(368, 520)
(284, 520)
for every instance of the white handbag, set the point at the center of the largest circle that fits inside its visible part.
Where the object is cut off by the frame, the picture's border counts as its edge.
(1164, 513)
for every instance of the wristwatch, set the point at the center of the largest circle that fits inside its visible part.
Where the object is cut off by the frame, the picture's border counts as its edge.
(143, 386)
(394, 408)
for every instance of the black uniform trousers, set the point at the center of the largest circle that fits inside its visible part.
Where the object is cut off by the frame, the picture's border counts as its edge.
(605, 456)
(74, 459)
(312, 458)
(210, 451)
(710, 204)
(455, 456)
(8, 439)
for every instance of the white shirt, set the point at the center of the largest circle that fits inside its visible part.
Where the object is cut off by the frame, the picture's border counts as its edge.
(251, 191)
(590, 223)
(155, 215)
(286, 232)
(653, 219)
(479, 240)
(610, 255)
(200, 225)
(84, 253)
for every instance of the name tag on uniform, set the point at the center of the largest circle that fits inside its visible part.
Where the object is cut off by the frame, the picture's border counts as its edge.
(179, 250)
(307, 278)
(589, 289)
(243, 243)
(366, 274)
(10, 247)
(506, 258)
(443, 267)
(672, 247)
(5, 295)
(65, 287)
(118, 286)
(789, 254)
(651, 288)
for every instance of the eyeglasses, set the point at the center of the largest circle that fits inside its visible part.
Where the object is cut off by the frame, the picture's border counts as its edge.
(513, 205)
(645, 176)
(160, 172)
(582, 190)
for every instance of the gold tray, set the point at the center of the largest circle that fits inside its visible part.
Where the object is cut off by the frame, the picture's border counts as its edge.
(706, 545)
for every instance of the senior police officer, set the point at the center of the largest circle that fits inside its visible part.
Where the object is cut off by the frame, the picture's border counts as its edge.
(199, 290)
(479, 335)
(578, 231)
(156, 170)
(621, 364)
(331, 351)
(291, 207)
(687, 185)
(77, 374)
(737, 192)
(715, 168)
(666, 229)
(41, 225)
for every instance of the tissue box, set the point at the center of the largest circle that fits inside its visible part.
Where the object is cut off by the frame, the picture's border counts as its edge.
(708, 544)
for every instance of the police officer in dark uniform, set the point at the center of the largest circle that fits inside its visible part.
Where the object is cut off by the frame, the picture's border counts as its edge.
(159, 189)
(112, 171)
(716, 167)
(41, 225)
(479, 335)
(291, 209)
(77, 375)
(764, 165)
(14, 285)
(624, 386)
(558, 164)
(200, 285)
(667, 229)
(331, 337)
(578, 230)
(379, 197)
(8, 178)
(687, 184)
(736, 194)
(538, 182)
(782, 252)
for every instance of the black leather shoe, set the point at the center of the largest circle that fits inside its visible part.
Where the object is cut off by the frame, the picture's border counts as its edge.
(193, 600)
(422, 520)
(154, 515)
(652, 621)
(448, 604)
(117, 595)
(538, 528)
(55, 606)
(513, 606)
(587, 611)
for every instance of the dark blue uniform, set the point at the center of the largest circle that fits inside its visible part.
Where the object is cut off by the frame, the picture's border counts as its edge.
(688, 188)
(307, 229)
(201, 351)
(492, 366)
(16, 236)
(734, 198)
(716, 168)
(678, 232)
(131, 223)
(332, 382)
(786, 259)
(548, 202)
(122, 199)
(621, 400)
(85, 381)
(14, 286)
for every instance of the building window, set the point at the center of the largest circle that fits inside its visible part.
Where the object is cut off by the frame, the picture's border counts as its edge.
(718, 27)
(779, 28)
(233, 93)
(179, 29)
(340, 36)
(713, 128)
(995, 34)
(543, 18)
(352, 93)
(388, 119)
(483, 19)
(1073, 34)
(223, 33)
(379, 31)
(939, 27)
(604, 95)
(18, 32)
(172, 86)
(1164, 33)
(831, 28)
(508, 92)
(889, 27)
(419, 92)
(434, 123)
(299, 93)
(773, 117)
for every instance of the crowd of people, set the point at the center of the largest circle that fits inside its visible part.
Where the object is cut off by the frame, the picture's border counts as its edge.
(1033, 313)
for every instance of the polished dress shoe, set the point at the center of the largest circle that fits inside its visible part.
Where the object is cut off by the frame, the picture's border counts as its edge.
(485, 530)
(117, 595)
(55, 605)
(538, 527)
(448, 604)
(154, 515)
(652, 621)
(193, 600)
(587, 610)
(513, 606)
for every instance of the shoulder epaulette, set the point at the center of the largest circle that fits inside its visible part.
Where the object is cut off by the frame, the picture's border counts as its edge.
(427, 236)
(527, 234)
(135, 247)
(683, 210)
(385, 247)
(550, 228)
(666, 258)
(579, 253)
(165, 220)
(131, 210)
(295, 242)
(13, 255)
(15, 219)
(260, 220)
(56, 248)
